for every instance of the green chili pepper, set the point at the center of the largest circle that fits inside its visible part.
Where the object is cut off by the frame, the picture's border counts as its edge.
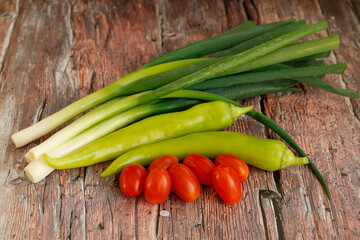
(266, 154)
(200, 118)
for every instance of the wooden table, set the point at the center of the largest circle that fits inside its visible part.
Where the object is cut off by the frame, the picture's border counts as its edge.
(55, 52)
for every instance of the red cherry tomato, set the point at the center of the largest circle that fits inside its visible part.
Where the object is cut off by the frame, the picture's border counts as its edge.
(163, 162)
(157, 186)
(226, 183)
(201, 166)
(184, 182)
(132, 180)
(235, 162)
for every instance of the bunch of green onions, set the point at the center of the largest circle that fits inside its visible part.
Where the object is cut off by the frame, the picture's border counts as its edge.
(249, 60)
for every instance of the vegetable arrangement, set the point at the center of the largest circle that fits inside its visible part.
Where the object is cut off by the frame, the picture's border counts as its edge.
(247, 61)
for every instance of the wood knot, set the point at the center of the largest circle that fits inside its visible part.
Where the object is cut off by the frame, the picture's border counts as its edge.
(16, 181)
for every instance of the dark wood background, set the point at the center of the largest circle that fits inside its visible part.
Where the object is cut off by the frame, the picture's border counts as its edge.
(54, 52)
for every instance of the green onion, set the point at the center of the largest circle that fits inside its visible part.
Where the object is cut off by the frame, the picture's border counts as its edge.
(161, 79)
(298, 50)
(305, 77)
(285, 72)
(304, 63)
(287, 53)
(242, 61)
(155, 81)
(249, 90)
(242, 27)
(217, 43)
(48, 124)
(261, 39)
(324, 54)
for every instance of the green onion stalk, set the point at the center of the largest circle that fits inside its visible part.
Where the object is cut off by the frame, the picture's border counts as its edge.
(50, 123)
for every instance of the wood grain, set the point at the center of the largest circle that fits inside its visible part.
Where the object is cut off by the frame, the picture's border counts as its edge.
(327, 146)
(55, 52)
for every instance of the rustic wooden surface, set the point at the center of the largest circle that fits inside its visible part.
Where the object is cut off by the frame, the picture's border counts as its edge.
(54, 52)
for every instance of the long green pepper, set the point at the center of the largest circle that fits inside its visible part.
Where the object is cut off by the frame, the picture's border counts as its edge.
(203, 117)
(266, 154)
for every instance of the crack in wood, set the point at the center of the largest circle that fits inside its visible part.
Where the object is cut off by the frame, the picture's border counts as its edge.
(111, 214)
(39, 111)
(262, 100)
(92, 77)
(6, 43)
(356, 115)
(251, 11)
(84, 202)
(42, 198)
(91, 80)
(352, 101)
(246, 11)
(69, 225)
(320, 9)
(352, 5)
(58, 205)
(136, 233)
(227, 14)
(263, 215)
(70, 30)
(7, 177)
(353, 104)
(277, 179)
(275, 199)
(9, 33)
(156, 224)
(160, 10)
(202, 216)
(108, 32)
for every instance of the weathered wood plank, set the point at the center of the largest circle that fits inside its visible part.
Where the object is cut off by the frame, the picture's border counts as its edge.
(183, 22)
(312, 118)
(206, 224)
(34, 63)
(344, 20)
(112, 39)
(8, 14)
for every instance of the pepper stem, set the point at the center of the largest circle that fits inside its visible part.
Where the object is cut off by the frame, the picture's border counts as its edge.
(238, 111)
(289, 159)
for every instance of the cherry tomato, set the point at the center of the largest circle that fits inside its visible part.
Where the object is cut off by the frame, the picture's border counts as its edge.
(226, 183)
(157, 186)
(184, 182)
(235, 162)
(201, 166)
(163, 162)
(132, 180)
